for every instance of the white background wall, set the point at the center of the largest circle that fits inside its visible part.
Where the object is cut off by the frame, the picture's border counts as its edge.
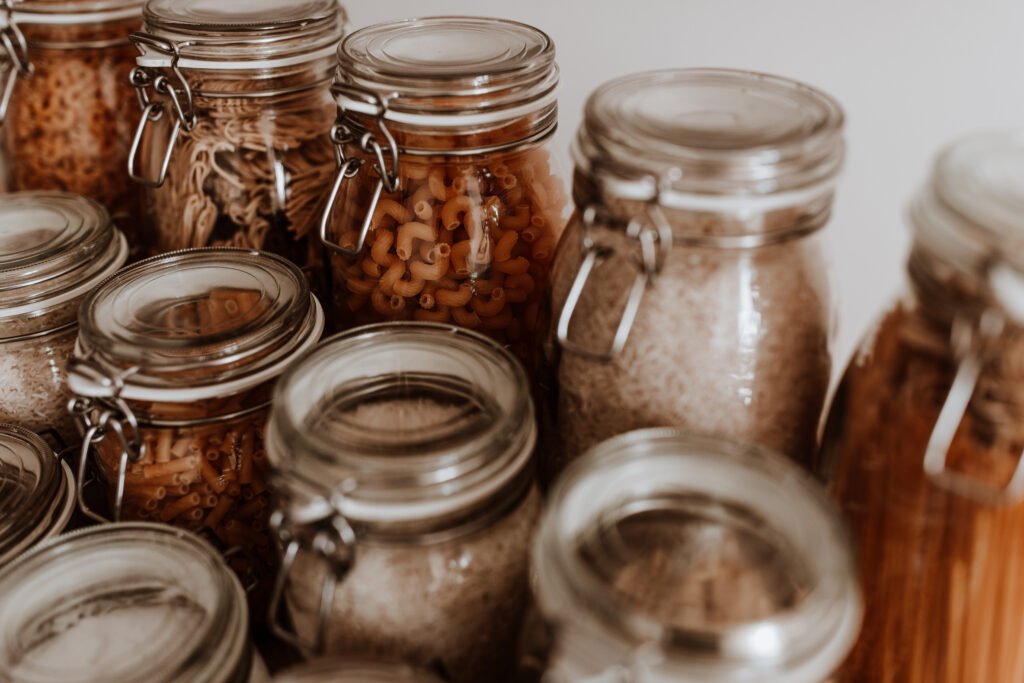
(911, 74)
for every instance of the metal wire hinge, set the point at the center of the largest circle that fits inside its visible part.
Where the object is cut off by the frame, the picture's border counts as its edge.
(653, 240)
(169, 92)
(344, 134)
(15, 55)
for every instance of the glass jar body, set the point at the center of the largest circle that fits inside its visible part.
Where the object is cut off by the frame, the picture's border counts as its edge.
(727, 342)
(453, 606)
(70, 124)
(466, 240)
(252, 172)
(935, 565)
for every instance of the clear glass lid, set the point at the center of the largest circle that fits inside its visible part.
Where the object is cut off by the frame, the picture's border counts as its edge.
(349, 671)
(54, 247)
(34, 491)
(413, 420)
(491, 68)
(75, 11)
(203, 321)
(726, 557)
(128, 603)
(252, 31)
(711, 131)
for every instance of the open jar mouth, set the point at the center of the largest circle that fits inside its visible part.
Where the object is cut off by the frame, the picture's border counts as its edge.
(724, 556)
(411, 421)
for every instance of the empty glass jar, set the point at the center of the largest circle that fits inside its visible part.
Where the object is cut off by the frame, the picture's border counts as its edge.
(448, 204)
(667, 558)
(925, 440)
(690, 289)
(402, 463)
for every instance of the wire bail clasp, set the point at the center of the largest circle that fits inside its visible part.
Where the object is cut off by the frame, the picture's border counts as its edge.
(347, 132)
(653, 238)
(331, 539)
(173, 90)
(15, 55)
(100, 410)
(970, 338)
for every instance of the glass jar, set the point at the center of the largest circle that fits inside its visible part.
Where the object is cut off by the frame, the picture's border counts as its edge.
(925, 439)
(176, 360)
(38, 492)
(402, 461)
(448, 204)
(68, 106)
(348, 671)
(128, 603)
(665, 557)
(690, 288)
(54, 249)
(233, 143)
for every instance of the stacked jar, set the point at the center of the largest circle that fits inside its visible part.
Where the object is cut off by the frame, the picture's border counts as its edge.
(402, 461)
(690, 288)
(176, 361)
(667, 558)
(54, 250)
(68, 108)
(233, 141)
(925, 440)
(448, 207)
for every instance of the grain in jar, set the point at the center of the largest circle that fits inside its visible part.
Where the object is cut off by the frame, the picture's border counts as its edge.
(233, 143)
(127, 603)
(68, 108)
(54, 249)
(401, 458)
(175, 363)
(690, 288)
(38, 492)
(668, 558)
(447, 207)
(344, 670)
(925, 439)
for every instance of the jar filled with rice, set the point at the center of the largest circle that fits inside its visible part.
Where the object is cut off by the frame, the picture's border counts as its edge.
(664, 558)
(690, 288)
(447, 207)
(173, 372)
(925, 442)
(68, 109)
(401, 458)
(233, 142)
(55, 248)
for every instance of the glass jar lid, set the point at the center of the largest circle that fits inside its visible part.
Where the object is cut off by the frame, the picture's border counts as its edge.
(36, 492)
(972, 216)
(195, 324)
(693, 137)
(74, 11)
(726, 560)
(349, 671)
(257, 34)
(412, 422)
(127, 603)
(448, 71)
(54, 247)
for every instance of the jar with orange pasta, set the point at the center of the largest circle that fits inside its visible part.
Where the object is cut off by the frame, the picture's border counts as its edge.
(447, 207)
(68, 108)
(175, 363)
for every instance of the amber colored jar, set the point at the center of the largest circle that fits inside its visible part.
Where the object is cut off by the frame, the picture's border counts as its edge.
(69, 118)
(924, 442)
(448, 207)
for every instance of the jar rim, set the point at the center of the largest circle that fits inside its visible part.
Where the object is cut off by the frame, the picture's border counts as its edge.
(71, 12)
(125, 567)
(657, 467)
(443, 469)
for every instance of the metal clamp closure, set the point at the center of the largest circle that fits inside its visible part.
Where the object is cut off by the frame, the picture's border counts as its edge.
(15, 54)
(653, 240)
(172, 89)
(344, 133)
(332, 541)
(970, 338)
